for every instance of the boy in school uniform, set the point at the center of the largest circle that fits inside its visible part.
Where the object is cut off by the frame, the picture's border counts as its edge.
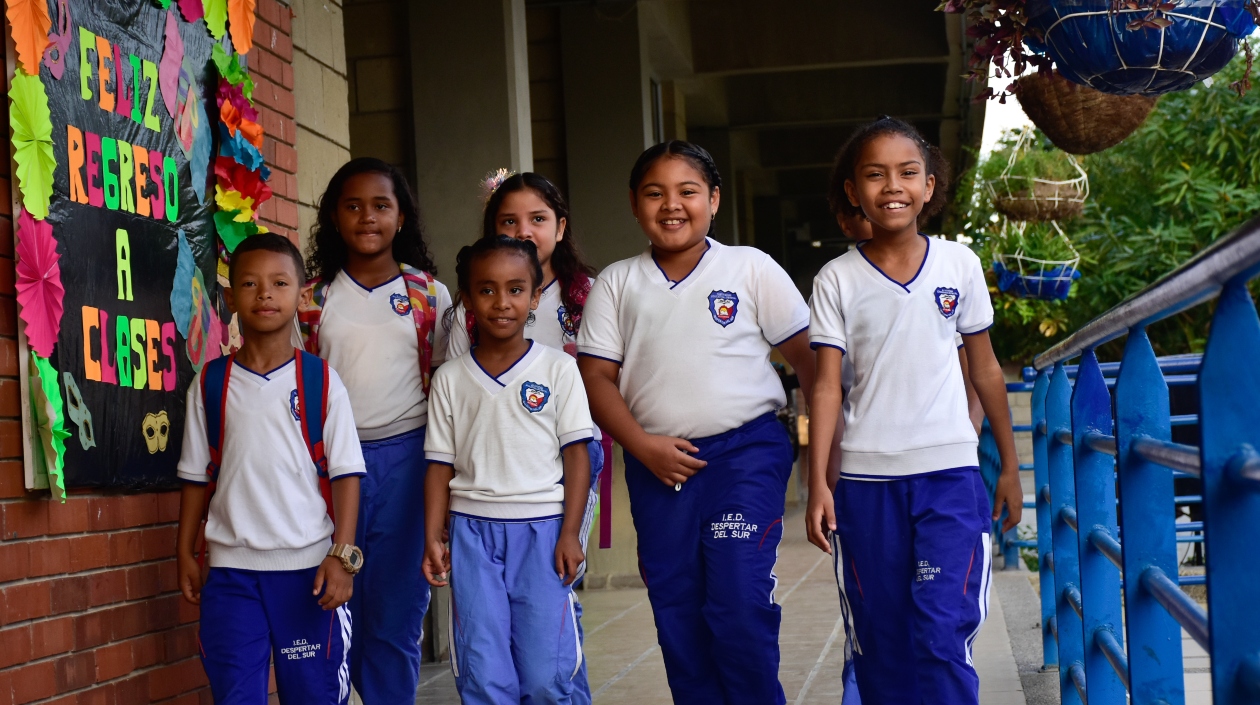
(269, 430)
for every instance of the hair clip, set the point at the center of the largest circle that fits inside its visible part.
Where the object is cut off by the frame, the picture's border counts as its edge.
(493, 181)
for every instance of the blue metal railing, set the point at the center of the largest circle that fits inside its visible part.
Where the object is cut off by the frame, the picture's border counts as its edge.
(1093, 454)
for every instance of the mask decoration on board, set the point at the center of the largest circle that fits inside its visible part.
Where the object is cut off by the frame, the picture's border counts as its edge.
(79, 413)
(157, 431)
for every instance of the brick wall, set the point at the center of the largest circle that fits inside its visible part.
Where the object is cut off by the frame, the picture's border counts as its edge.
(89, 609)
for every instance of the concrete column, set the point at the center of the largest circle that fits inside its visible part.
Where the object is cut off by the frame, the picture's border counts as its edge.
(470, 80)
(607, 124)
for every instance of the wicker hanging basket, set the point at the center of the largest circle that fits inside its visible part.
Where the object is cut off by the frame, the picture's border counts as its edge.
(1032, 278)
(1079, 119)
(1033, 198)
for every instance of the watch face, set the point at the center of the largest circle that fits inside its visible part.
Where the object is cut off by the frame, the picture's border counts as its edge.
(355, 558)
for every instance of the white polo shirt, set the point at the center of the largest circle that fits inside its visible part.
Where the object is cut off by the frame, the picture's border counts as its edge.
(551, 325)
(369, 337)
(267, 512)
(504, 434)
(694, 354)
(907, 411)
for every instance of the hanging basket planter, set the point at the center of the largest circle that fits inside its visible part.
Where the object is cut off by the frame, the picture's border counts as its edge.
(1079, 119)
(1030, 277)
(1158, 47)
(1038, 185)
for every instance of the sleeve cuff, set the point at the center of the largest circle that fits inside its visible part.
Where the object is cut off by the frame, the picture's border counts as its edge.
(347, 471)
(583, 436)
(196, 478)
(800, 328)
(981, 329)
(599, 355)
(827, 343)
(442, 458)
(190, 481)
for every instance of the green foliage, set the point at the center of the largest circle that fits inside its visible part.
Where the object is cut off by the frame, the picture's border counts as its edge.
(1188, 176)
(1039, 160)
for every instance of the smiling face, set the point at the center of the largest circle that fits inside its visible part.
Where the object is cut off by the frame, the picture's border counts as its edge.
(265, 291)
(891, 183)
(367, 214)
(501, 294)
(524, 215)
(674, 205)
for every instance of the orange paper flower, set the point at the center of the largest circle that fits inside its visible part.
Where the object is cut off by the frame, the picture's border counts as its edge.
(30, 22)
(241, 24)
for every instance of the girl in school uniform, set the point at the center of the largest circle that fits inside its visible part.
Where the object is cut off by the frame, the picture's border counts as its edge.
(508, 469)
(373, 314)
(675, 352)
(909, 514)
(529, 207)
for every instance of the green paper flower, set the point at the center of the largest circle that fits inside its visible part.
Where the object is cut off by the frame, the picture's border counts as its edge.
(216, 17)
(230, 69)
(49, 423)
(32, 142)
(232, 231)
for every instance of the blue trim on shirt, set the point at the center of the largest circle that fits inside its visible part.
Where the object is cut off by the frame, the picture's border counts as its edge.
(850, 475)
(707, 246)
(588, 439)
(439, 462)
(775, 345)
(264, 375)
(600, 357)
(905, 286)
(977, 332)
(495, 520)
(815, 346)
(509, 367)
(370, 289)
(194, 482)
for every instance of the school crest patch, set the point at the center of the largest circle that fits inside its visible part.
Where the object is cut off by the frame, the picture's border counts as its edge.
(724, 305)
(566, 322)
(294, 408)
(401, 304)
(534, 396)
(947, 301)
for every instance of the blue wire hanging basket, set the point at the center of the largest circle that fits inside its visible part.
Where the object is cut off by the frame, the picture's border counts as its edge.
(1160, 47)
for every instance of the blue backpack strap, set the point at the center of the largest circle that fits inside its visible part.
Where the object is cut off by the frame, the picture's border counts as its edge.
(214, 391)
(312, 388)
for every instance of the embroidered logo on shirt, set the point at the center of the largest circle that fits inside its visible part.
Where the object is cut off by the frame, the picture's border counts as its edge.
(534, 396)
(401, 304)
(947, 301)
(724, 305)
(293, 406)
(566, 322)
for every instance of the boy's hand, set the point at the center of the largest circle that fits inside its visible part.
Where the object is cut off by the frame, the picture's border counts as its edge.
(189, 578)
(667, 457)
(1009, 493)
(335, 582)
(820, 518)
(436, 566)
(569, 557)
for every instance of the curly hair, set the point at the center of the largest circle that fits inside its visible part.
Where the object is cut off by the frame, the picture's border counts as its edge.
(567, 263)
(328, 253)
(845, 168)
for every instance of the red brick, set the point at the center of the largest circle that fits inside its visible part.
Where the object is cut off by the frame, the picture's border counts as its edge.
(6, 237)
(13, 561)
(8, 326)
(139, 510)
(180, 643)
(168, 507)
(113, 661)
(8, 277)
(164, 612)
(103, 695)
(142, 581)
(23, 518)
(63, 700)
(8, 346)
(93, 628)
(287, 213)
(168, 575)
(186, 699)
(269, 12)
(286, 20)
(124, 548)
(168, 681)
(133, 690)
(26, 601)
(158, 543)
(52, 636)
(148, 650)
(12, 480)
(130, 620)
(49, 557)
(89, 552)
(75, 671)
(71, 594)
(187, 612)
(33, 682)
(267, 210)
(105, 513)
(15, 646)
(107, 587)
(6, 207)
(6, 677)
(69, 518)
(10, 394)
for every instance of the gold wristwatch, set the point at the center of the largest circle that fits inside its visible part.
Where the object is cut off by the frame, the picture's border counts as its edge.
(350, 556)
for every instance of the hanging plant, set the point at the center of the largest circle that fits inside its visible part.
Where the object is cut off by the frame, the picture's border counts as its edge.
(1031, 182)
(1138, 47)
(1035, 261)
(998, 29)
(1076, 118)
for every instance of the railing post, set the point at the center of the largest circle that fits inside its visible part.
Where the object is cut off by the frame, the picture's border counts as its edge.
(1067, 572)
(1096, 509)
(1147, 525)
(1229, 388)
(1041, 485)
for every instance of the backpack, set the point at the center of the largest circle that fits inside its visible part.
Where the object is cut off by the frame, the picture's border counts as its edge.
(312, 391)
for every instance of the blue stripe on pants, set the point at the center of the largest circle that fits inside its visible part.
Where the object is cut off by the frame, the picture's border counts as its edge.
(250, 617)
(513, 628)
(916, 576)
(707, 554)
(581, 685)
(390, 596)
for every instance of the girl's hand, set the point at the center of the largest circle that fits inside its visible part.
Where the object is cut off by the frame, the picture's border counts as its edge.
(190, 578)
(568, 557)
(336, 584)
(667, 457)
(1009, 493)
(820, 518)
(436, 566)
